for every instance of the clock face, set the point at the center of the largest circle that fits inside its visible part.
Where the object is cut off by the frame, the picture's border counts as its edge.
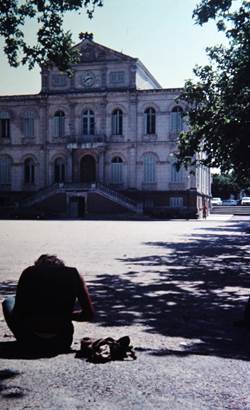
(88, 79)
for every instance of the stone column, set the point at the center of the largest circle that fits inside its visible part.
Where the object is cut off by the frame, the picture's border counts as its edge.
(101, 173)
(103, 121)
(16, 177)
(132, 177)
(43, 140)
(72, 120)
(45, 80)
(69, 173)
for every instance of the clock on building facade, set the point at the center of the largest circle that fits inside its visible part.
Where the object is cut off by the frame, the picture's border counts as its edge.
(88, 79)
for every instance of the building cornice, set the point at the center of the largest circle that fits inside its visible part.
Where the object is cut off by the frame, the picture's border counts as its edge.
(22, 97)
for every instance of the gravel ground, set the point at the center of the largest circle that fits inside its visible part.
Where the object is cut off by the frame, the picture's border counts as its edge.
(175, 287)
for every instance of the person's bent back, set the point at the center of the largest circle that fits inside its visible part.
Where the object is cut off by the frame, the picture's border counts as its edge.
(40, 316)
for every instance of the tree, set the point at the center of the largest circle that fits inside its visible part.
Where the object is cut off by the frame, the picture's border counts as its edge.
(54, 45)
(219, 101)
(224, 185)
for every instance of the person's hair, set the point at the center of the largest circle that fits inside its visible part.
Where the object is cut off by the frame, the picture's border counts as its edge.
(48, 260)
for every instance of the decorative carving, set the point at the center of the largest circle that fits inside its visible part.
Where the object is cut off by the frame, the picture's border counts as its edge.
(87, 53)
(86, 36)
(90, 52)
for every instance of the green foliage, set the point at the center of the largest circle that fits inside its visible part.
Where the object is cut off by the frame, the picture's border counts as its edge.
(225, 185)
(219, 101)
(53, 45)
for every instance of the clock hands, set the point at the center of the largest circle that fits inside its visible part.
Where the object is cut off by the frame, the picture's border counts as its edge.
(88, 79)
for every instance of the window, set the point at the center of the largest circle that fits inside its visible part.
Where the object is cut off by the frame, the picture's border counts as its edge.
(176, 202)
(148, 203)
(149, 119)
(4, 124)
(59, 80)
(59, 170)
(28, 124)
(88, 122)
(176, 176)
(59, 124)
(116, 170)
(176, 120)
(149, 168)
(5, 170)
(117, 77)
(29, 171)
(117, 122)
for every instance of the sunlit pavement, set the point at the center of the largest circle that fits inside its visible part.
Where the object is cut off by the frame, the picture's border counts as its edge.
(218, 217)
(175, 287)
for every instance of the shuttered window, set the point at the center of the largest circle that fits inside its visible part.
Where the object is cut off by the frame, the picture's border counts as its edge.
(177, 175)
(116, 170)
(29, 124)
(149, 164)
(59, 124)
(176, 202)
(59, 170)
(149, 120)
(117, 122)
(29, 171)
(88, 123)
(4, 124)
(176, 120)
(5, 170)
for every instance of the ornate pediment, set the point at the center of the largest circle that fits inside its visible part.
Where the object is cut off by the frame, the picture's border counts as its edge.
(91, 52)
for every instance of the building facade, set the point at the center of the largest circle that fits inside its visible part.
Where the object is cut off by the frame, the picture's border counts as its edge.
(104, 134)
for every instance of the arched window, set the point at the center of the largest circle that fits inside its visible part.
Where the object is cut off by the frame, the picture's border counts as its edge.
(29, 171)
(149, 120)
(176, 175)
(29, 124)
(59, 170)
(176, 120)
(116, 170)
(149, 164)
(117, 122)
(59, 124)
(5, 170)
(88, 122)
(4, 124)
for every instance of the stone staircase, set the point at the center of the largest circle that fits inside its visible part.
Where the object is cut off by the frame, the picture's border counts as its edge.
(97, 187)
(119, 198)
(41, 195)
(231, 210)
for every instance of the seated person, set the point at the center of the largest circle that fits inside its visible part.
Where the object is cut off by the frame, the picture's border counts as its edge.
(41, 314)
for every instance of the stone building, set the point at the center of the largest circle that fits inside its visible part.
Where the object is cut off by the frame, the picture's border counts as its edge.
(102, 140)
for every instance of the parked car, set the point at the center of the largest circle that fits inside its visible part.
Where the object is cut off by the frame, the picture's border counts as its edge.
(216, 202)
(245, 200)
(229, 202)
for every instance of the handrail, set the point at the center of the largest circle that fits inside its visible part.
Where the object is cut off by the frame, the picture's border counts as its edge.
(97, 186)
(116, 194)
(40, 193)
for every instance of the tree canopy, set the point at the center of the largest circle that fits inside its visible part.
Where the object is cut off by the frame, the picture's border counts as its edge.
(225, 185)
(53, 44)
(218, 112)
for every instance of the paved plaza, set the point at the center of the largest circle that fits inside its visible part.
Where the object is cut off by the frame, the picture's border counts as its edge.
(175, 287)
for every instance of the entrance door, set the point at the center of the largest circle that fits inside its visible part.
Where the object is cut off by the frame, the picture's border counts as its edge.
(88, 169)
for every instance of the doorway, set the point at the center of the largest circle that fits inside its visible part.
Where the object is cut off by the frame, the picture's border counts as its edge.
(88, 169)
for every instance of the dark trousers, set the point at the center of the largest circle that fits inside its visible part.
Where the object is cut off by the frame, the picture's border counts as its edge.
(23, 333)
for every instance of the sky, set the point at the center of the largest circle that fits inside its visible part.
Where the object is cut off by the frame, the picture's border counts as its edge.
(161, 33)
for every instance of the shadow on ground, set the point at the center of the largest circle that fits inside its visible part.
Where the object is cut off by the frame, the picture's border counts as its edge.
(193, 290)
(12, 350)
(12, 391)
